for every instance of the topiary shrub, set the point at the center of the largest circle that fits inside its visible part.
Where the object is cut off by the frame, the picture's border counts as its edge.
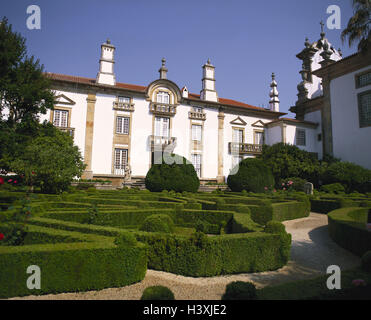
(333, 188)
(158, 223)
(157, 293)
(178, 176)
(239, 290)
(251, 175)
(275, 227)
(366, 261)
(126, 240)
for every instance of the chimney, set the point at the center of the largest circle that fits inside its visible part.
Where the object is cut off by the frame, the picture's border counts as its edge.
(208, 91)
(106, 62)
(274, 102)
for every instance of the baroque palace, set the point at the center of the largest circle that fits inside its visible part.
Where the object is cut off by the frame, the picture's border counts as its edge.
(119, 126)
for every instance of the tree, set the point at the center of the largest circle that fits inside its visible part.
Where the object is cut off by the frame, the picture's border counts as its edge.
(358, 27)
(24, 94)
(50, 161)
(288, 161)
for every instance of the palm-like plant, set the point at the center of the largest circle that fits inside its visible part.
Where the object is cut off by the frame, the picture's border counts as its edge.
(358, 27)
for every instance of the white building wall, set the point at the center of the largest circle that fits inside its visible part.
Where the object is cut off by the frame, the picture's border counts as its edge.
(103, 134)
(316, 117)
(310, 137)
(210, 144)
(350, 142)
(273, 135)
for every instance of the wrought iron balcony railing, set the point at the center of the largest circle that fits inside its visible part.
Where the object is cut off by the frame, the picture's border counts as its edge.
(162, 109)
(245, 148)
(197, 115)
(123, 106)
(158, 142)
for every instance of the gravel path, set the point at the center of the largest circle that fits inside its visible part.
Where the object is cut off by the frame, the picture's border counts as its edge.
(311, 253)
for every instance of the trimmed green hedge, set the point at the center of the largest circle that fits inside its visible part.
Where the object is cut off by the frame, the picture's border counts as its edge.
(347, 227)
(70, 267)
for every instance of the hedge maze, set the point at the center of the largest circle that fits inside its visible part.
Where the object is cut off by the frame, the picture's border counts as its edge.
(92, 240)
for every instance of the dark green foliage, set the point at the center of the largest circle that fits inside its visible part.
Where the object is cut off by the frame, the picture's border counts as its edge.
(333, 188)
(347, 227)
(126, 240)
(157, 293)
(287, 161)
(239, 290)
(178, 176)
(93, 263)
(251, 175)
(352, 176)
(158, 223)
(92, 214)
(50, 161)
(275, 227)
(366, 261)
(292, 183)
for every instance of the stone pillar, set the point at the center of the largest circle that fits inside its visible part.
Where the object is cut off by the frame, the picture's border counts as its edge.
(283, 131)
(89, 130)
(326, 118)
(220, 177)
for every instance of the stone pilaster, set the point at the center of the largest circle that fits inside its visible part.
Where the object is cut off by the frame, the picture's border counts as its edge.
(89, 131)
(326, 118)
(220, 177)
(283, 132)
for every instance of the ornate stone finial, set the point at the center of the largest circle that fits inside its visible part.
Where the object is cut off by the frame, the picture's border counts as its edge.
(307, 43)
(322, 32)
(274, 102)
(163, 69)
(108, 41)
(340, 52)
(208, 61)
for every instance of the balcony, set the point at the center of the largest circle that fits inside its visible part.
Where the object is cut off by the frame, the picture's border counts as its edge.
(196, 115)
(160, 143)
(244, 148)
(70, 131)
(123, 106)
(162, 109)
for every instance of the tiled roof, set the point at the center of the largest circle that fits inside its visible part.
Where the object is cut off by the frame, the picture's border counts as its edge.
(133, 87)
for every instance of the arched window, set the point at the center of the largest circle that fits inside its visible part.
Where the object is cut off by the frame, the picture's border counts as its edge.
(163, 97)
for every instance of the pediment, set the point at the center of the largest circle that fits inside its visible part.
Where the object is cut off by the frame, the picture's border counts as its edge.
(63, 99)
(238, 121)
(259, 124)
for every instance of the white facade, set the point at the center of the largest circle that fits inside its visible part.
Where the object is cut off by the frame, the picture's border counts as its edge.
(350, 141)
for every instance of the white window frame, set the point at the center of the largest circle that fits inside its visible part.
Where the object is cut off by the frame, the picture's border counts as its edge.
(163, 97)
(120, 161)
(123, 99)
(238, 138)
(197, 162)
(162, 127)
(122, 125)
(196, 132)
(60, 118)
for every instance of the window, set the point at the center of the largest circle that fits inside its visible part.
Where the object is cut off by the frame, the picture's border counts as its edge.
(196, 161)
(363, 80)
(125, 100)
(121, 160)
(196, 132)
(162, 127)
(122, 125)
(237, 135)
(197, 109)
(60, 118)
(300, 137)
(364, 108)
(163, 97)
(259, 137)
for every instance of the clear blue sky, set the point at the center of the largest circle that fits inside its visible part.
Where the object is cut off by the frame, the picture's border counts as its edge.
(246, 40)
